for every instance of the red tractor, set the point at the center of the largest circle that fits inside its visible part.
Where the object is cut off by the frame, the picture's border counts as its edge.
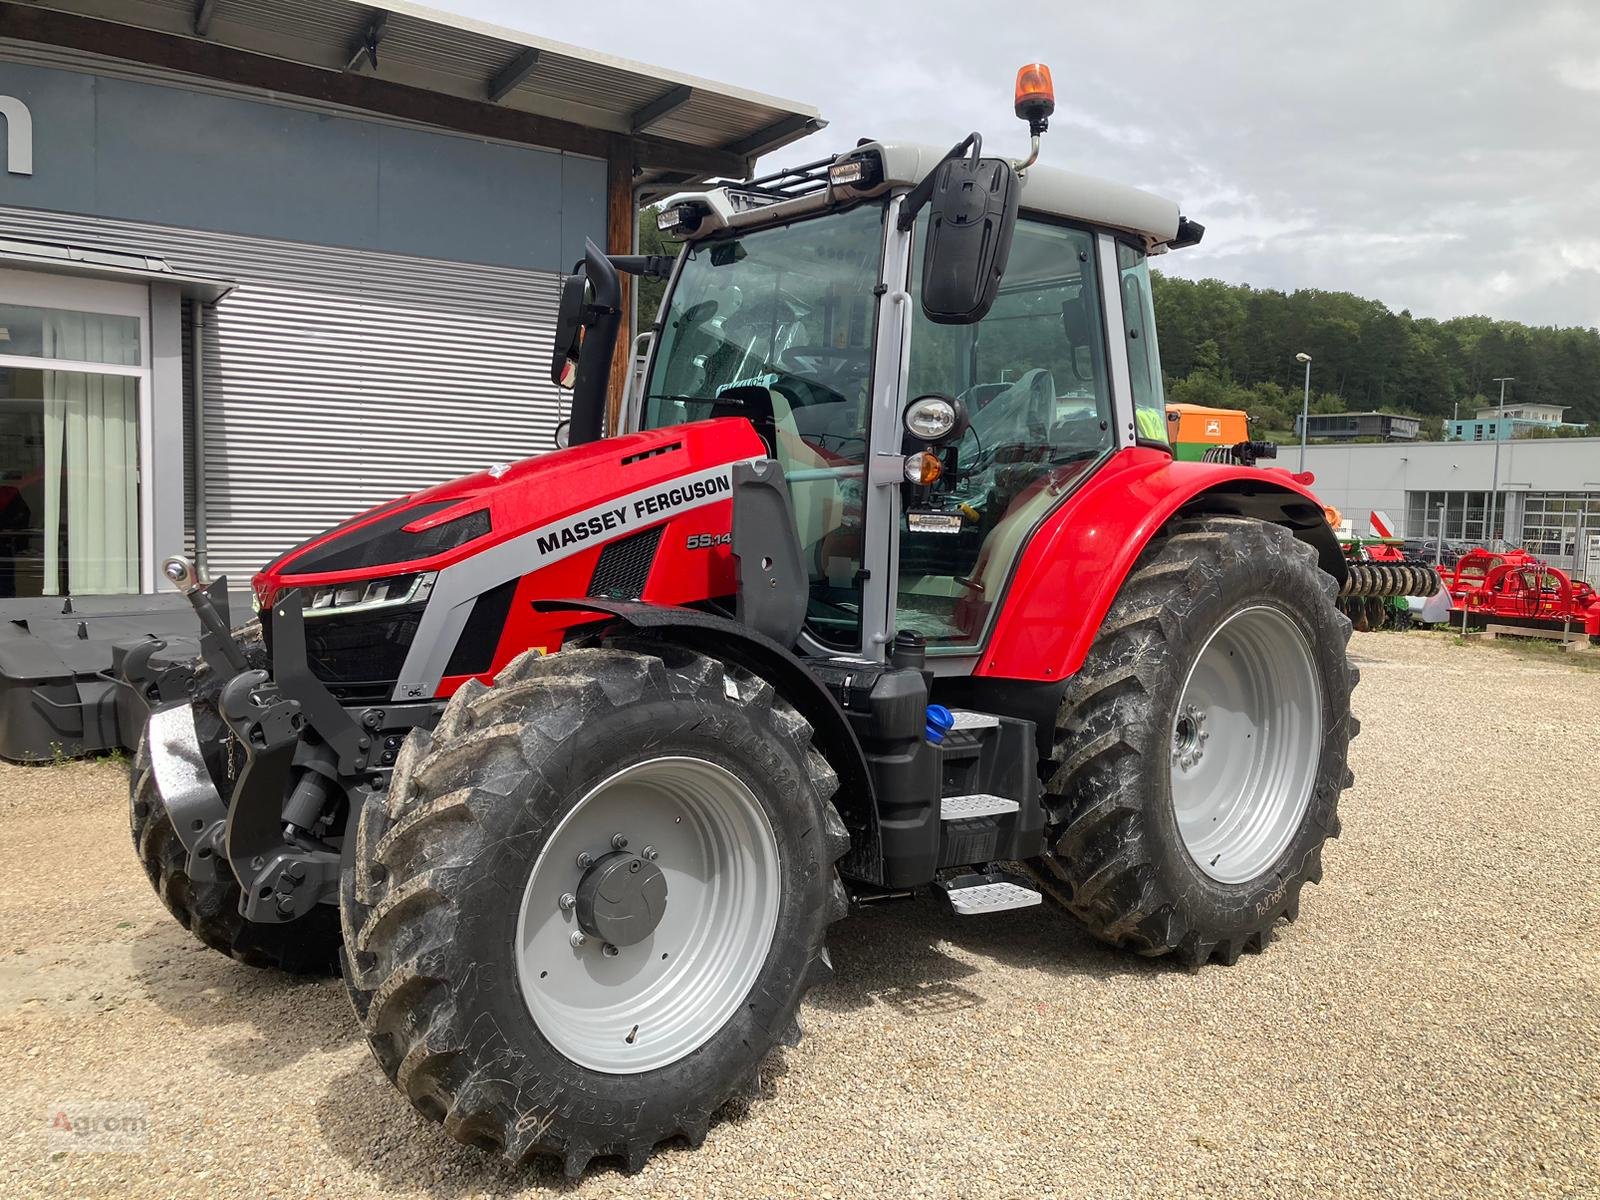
(888, 583)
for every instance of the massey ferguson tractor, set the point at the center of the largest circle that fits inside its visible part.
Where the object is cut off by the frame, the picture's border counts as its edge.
(887, 583)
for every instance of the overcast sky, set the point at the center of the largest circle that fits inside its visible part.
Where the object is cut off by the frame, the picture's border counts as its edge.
(1438, 155)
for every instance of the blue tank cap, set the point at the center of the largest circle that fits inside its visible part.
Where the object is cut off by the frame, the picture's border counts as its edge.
(940, 722)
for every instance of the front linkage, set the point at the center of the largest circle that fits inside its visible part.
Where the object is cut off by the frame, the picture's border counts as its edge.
(308, 762)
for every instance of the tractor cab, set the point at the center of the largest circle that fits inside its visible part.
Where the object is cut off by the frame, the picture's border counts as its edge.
(936, 349)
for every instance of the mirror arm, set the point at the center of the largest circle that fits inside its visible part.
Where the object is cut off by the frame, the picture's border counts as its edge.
(918, 196)
(651, 266)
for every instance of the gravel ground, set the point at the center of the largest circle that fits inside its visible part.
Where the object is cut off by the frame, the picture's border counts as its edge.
(1429, 1027)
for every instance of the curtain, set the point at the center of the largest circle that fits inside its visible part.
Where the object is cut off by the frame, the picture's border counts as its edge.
(91, 451)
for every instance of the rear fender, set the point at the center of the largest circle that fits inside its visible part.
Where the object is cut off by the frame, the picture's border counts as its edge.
(1076, 562)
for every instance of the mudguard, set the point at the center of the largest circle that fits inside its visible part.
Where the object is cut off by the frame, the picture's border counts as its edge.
(1075, 562)
(723, 637)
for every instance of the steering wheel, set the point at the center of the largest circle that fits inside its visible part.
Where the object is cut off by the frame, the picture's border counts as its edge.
(808, 360)
(696, 314)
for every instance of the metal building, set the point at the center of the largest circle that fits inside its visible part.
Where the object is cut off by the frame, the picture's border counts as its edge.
(1349, 426)
(266, 263)
(384, 198)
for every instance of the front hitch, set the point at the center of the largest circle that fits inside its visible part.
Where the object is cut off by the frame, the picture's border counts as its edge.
(288, 778)
(210, 603)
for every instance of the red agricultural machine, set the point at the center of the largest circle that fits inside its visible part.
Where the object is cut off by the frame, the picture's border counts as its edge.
(888, 583)
(1512, 587)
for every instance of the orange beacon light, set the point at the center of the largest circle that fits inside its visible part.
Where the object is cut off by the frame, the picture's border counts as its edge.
(1036, 96)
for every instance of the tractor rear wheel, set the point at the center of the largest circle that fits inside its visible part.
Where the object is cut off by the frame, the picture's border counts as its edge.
(210, 909)
(592, 901)
(1201, 749)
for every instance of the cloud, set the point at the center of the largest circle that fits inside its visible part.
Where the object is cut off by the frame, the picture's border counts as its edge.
(1438, 155)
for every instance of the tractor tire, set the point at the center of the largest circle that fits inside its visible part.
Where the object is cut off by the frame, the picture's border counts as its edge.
(1225, 627)
(466, 958)
(210, 910)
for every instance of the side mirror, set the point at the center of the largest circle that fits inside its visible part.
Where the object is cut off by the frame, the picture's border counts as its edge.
(595, 309)
(972, 213)
(569, 326)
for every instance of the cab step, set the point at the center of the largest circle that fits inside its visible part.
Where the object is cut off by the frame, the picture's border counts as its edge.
(964, 808)
(974, 895)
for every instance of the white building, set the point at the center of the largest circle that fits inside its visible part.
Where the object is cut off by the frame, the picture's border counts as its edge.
(1548, 499)
(1537, 414)
(1490, 424)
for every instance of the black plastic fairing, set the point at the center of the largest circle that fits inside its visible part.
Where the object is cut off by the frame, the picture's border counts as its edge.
(385, 541)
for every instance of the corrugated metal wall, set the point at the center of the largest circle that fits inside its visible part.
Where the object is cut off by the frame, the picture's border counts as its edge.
(336, 379)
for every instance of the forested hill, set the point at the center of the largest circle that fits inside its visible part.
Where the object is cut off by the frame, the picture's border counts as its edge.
(1233, 346)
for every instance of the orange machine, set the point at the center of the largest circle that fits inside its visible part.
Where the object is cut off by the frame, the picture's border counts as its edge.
(1193, 429)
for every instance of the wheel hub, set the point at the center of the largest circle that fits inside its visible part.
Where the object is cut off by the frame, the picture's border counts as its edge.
(621, 899)
(1189, 736)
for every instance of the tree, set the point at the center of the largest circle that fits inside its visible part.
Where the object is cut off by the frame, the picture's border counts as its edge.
(1223, 341)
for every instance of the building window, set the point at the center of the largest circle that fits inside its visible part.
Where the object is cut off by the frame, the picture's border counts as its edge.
(1555, 526)
(1464, 514)
(71, 382)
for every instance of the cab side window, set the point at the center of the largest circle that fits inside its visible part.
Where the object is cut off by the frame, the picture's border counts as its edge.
(1032, 375)
(1139, 329)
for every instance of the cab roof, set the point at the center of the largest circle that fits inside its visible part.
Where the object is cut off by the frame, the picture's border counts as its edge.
(1051, 191)
(1048, 190)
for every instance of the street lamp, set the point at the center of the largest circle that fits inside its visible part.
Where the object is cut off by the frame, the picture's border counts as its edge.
(1494, 490)
(1305, 407)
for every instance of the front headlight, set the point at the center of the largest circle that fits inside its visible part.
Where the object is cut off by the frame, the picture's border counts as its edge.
(366, 594)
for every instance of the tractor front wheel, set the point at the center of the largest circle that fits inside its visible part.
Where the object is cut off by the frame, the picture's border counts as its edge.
(593, 900)
(1201, 749)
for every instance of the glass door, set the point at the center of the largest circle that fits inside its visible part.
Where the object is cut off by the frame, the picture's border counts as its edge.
(74, 377)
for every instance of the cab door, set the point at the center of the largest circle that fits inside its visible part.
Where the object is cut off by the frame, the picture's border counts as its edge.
(1043, 389)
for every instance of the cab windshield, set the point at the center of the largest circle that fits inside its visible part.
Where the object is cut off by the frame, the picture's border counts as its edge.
(778, 326)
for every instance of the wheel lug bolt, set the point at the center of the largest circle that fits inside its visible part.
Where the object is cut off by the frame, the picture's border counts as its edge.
(567, 901)
(619, 842)
(609, 950)
(585, 861)
(650, 853)
(579, 937)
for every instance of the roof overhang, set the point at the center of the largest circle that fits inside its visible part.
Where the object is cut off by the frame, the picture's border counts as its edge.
(408, 61)
(415, 63)
(105, 264)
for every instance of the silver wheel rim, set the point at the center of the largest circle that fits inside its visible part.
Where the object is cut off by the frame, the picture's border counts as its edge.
(1246, 742)
(626, 1009)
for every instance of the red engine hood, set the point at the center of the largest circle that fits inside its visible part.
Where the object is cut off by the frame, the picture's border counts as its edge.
(517, 498)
